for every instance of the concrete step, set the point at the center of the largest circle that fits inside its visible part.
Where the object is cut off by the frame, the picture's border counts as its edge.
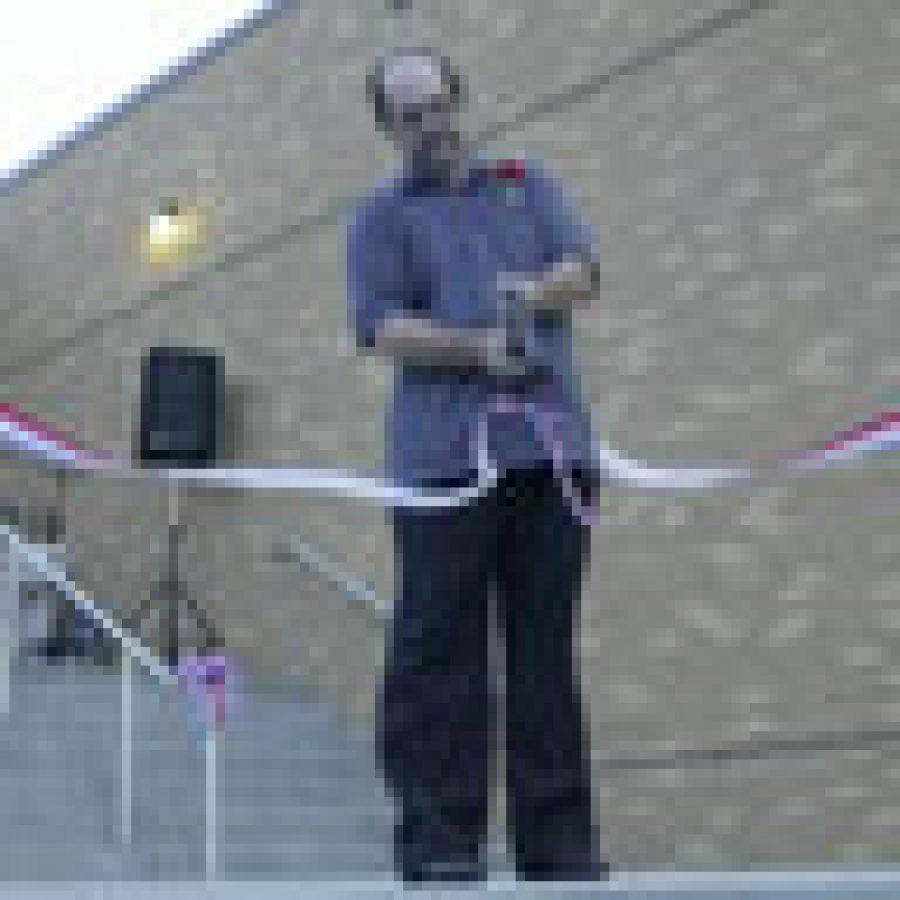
(298, 796)
(320, 826)
(31, 859)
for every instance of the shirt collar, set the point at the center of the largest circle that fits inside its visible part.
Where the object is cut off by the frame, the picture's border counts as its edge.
(418, 183)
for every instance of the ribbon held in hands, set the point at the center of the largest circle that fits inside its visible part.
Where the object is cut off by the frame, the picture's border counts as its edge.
(25, 435)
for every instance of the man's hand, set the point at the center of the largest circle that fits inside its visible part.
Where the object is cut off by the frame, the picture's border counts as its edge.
(567, 285)
(509, 363)
(425, 343)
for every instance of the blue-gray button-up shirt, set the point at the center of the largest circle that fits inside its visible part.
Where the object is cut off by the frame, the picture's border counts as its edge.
(417, 249)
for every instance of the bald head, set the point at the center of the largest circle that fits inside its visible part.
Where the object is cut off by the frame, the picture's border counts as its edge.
(416, 96)
(410, 79)
(410, 76)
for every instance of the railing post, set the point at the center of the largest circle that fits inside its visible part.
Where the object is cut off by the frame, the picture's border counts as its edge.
(11, 596)
(127, 789)
(211, 798)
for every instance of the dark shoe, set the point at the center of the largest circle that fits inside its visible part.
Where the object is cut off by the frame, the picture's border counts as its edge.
(564, 870)
(458, 872)
(51, 649)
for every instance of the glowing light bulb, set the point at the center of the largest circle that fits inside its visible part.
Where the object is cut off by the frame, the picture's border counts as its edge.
(172, 235)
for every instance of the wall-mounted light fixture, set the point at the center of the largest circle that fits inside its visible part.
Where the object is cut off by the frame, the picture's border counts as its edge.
(172, 234)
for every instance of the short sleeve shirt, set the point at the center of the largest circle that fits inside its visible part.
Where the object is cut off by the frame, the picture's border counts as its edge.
(416, 248)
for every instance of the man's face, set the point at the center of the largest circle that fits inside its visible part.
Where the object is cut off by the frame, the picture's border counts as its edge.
(422, 115)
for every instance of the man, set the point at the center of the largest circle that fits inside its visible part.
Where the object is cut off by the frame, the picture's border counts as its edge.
(426, 252)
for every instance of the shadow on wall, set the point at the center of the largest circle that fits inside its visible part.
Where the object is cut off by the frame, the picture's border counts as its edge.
(235, 400)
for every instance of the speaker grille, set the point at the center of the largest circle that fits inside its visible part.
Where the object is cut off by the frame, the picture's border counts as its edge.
(180, 397)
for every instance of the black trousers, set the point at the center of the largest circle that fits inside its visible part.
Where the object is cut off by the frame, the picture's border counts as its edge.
(437, 702)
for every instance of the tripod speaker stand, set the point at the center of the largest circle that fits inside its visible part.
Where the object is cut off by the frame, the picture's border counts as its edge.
(171, 596)
(180, 397)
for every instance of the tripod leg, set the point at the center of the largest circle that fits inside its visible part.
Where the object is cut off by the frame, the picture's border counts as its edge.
(177, 595)
(172, 624)
(210, 638)
(172, 583)
(134, 620)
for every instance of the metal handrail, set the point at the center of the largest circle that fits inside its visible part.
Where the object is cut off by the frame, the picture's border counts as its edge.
(316, 562)
(36, 557)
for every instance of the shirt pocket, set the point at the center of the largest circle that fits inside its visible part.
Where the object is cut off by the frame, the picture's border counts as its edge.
(521, 241)
(460, 272)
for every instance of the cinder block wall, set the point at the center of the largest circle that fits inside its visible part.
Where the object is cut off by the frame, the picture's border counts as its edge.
(742, 178)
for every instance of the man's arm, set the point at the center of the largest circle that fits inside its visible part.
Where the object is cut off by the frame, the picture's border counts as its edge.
(571, 275)
(388, 297)
(486, 351)
(413, 339)
(570, 284)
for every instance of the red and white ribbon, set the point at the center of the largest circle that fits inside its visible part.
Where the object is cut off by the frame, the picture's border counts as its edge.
(27, 436)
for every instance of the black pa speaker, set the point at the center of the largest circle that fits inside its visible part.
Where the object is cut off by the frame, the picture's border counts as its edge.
(180, 398)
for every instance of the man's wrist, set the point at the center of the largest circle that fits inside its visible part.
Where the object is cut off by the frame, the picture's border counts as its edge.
(491, 348)
(523, 293)
(567, 284)
(558, 287)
